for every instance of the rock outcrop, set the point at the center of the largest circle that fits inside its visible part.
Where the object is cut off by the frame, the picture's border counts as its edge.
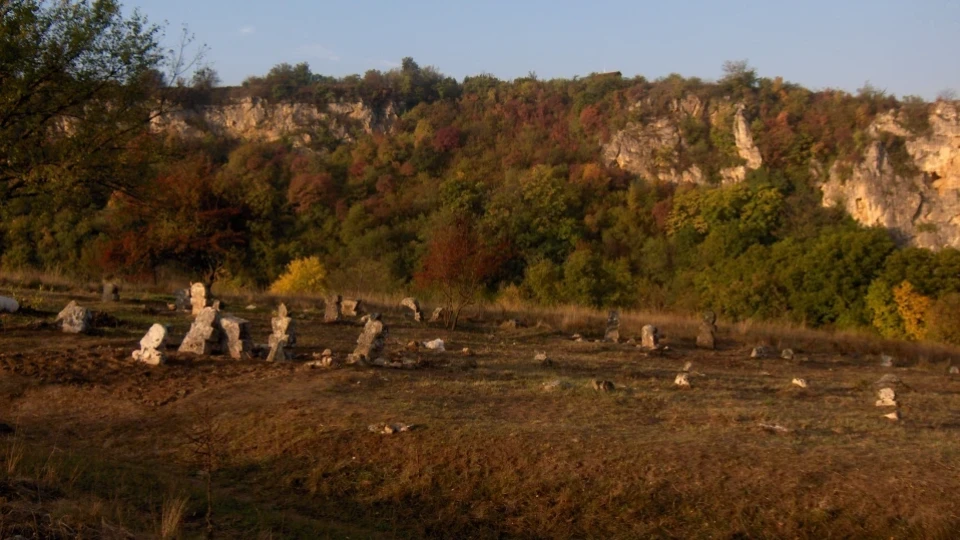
(254, 119)
(919, 202)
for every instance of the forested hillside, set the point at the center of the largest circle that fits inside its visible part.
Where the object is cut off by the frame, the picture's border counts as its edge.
(383, 177)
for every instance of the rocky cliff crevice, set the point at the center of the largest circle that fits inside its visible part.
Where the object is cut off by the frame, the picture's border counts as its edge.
(920, 203)
(253, 119)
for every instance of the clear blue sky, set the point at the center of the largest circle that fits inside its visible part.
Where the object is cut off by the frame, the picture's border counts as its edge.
(904, 47)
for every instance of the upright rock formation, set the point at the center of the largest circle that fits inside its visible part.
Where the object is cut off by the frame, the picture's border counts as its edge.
(282, 337)
(332, 312)
(414, 306)
(649, 337)
(199, 298)
(235, 337)
(707, 334)
(204, 334)
(371, 342)
(613, 327)
(111, 292)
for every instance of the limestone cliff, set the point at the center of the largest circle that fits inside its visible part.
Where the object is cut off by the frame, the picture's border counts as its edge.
(653, 148)
(253, 119)
(920, 205)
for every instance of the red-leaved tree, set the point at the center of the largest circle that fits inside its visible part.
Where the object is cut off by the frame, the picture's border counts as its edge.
(458, 265)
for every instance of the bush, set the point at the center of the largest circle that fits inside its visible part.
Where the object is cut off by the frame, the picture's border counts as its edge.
(942, 319)
(302, 276)
(912, 307)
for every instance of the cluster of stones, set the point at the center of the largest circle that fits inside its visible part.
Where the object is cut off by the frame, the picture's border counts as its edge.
(152, 345)
(887, 395)
(282, 337)
(325, 359)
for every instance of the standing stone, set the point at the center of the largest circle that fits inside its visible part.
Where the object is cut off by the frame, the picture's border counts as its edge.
(152, 345)
(75, 319)
(283, 336)
(649, 337)
(682, 380)
(199, 298)
(438, 315)
(351, 307)
(8, 305)
(887, 397)
(707, 334)
(181, 300)
(371, 342)
(204, 335)
(235, 337)
(414, 306)
(332, 312)
(613, 327)
(111, 292)
(709, 317)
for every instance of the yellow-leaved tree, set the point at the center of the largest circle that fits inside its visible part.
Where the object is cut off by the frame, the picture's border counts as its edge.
(305, 275)
(912, 307)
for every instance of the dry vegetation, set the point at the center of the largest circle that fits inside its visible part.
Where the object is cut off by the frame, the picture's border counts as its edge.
(105, 448)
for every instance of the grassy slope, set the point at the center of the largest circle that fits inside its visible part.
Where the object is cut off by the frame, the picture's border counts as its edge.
(102, 443)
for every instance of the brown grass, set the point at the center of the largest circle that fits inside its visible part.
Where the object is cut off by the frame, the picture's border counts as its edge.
(171, 519)
(493, 454)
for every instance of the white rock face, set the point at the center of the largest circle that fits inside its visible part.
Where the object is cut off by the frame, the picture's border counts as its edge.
(253, 119)
(8, 305)
(922, 210)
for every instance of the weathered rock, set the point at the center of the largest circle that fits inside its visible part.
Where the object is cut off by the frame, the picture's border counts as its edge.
(613, 327)
(919, 201)
(332, 312)
(390, 429)
(886, 360)
(797, 381)
(954, 370)
(152, 345)
(466, 351)
(762, 351)
(687, 367)
(282, 336)
(682, 380)
(324, 359)
(709, 317)
(887, 397)
(413, 305)
(707, 336)
(510, 324)
(895, 416)
(603, 386)
(204, 335)
(577, 337)
(435, 345)
(556, 384)
(74, 319)
(371, 342)
(351, 307)
(199, 298)
(8, 305)
(649, 337)
(438, 315)
(111, 292)
(235, 337)
(787, 354)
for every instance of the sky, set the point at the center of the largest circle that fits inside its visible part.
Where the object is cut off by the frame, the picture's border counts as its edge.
(905, 47)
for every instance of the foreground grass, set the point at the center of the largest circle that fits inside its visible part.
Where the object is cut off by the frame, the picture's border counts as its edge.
(109, 447)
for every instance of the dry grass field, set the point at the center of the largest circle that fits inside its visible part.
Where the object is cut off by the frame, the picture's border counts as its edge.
(106, 448)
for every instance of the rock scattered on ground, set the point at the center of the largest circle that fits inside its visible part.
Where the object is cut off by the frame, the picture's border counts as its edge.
(413, 305)
(800, 382)
(682, 380)
(603, 386)
(74, 319)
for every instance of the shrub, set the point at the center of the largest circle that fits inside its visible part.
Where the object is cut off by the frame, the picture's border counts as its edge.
(912, 307)
(942, 319)
(302, 276)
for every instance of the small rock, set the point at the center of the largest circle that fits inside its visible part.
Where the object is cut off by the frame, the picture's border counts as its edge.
(895, 416)
(438, 315)
(787, 354)
(761, 352)
(466, 351)
(603, 386)
(802, 383)
(887, 397)
(435, 345)
(510, 324)
(8, 305)
(687, 367)
(352, 307)
(111, 292)
(151, 346)
(250, 307)
(682, 380)
(74, 319)
(577, 337)
(886, 360)
(954, 370)
(414, 306)
(774, 428)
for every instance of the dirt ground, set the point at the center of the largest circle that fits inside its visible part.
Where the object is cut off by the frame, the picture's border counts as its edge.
(103, 446)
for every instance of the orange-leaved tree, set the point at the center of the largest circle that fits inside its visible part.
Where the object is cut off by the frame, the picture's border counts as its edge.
(457, 266)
